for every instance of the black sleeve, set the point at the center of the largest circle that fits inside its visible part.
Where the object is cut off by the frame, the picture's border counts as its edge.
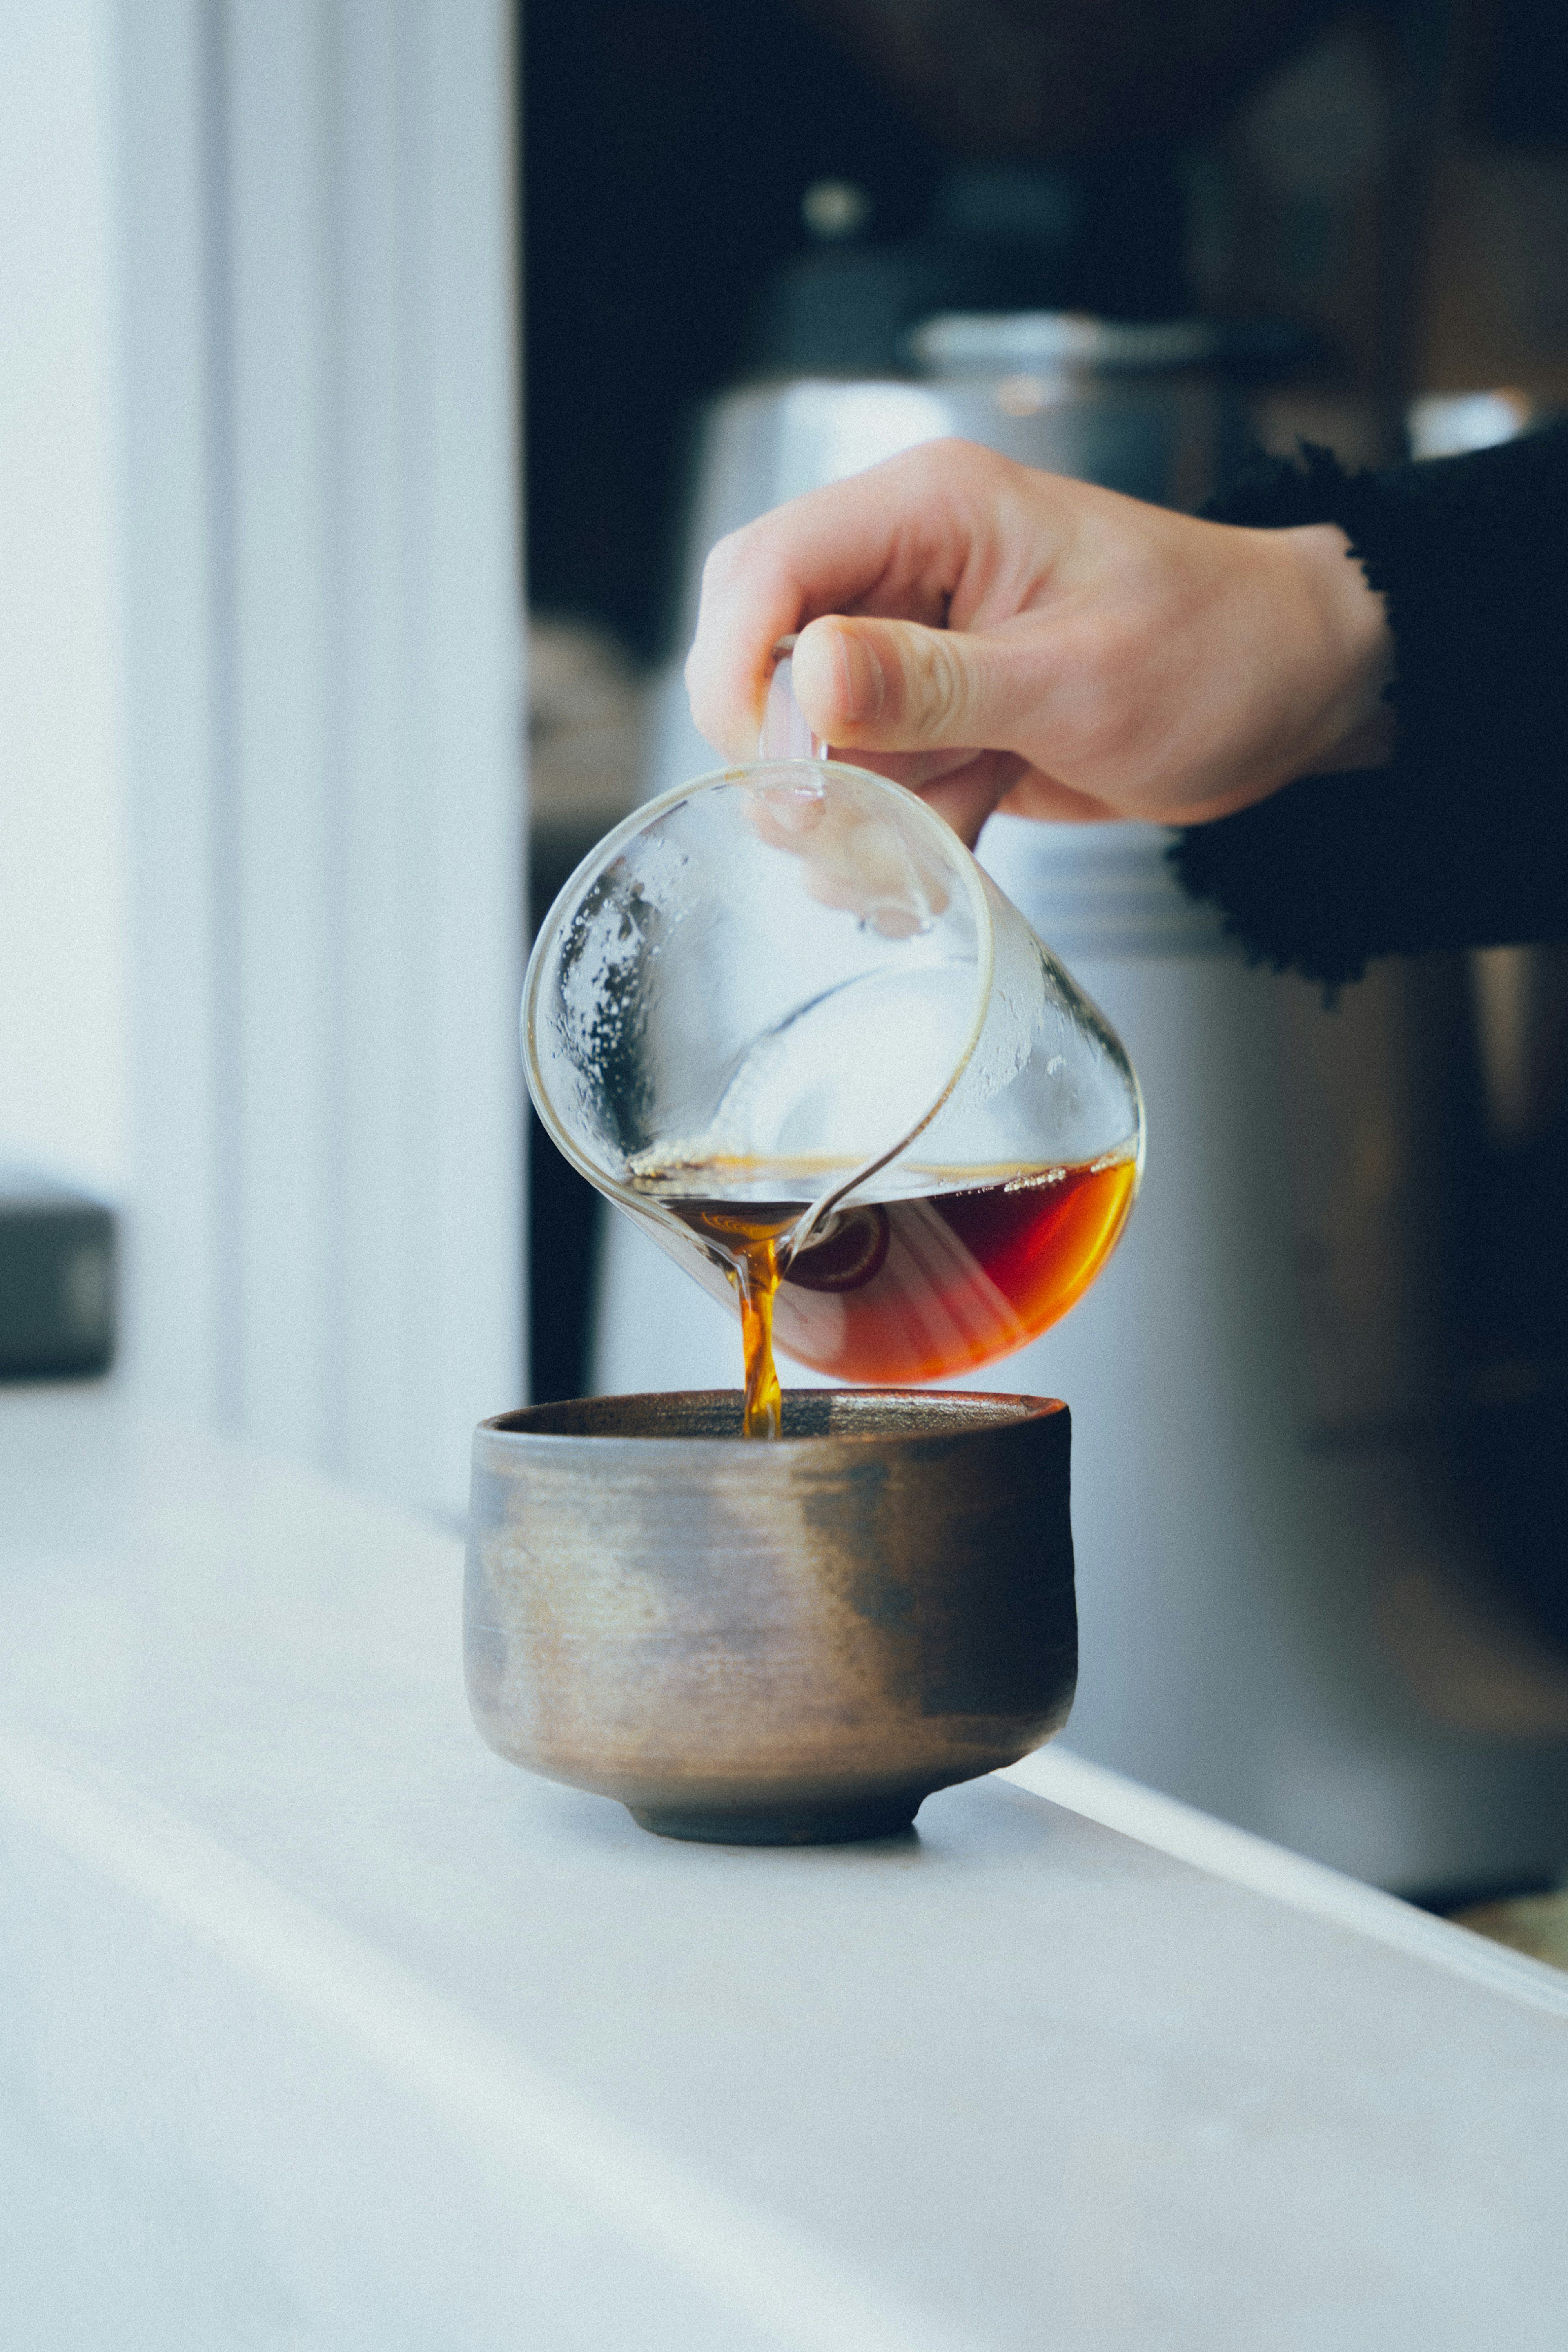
(1463, 840)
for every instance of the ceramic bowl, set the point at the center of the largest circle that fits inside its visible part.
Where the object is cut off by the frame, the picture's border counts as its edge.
(771, 1643)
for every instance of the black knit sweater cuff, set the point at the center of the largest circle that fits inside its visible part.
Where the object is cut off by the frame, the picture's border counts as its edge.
(1463, 839)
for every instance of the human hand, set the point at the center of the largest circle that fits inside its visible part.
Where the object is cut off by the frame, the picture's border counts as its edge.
(994, 636)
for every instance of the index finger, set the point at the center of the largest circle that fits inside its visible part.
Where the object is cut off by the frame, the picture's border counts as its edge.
(896, 539)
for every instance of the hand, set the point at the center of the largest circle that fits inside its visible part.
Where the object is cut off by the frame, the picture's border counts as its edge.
(998, 637)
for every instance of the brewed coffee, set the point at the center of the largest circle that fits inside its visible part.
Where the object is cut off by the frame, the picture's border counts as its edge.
(968, 1267)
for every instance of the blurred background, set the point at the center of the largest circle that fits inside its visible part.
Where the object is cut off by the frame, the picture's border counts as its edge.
(306, 309)
(1369, 208)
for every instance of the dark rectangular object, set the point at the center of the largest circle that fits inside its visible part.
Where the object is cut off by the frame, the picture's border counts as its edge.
(57, 1281)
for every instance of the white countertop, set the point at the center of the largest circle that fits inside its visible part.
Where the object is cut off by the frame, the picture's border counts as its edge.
(320, 2026)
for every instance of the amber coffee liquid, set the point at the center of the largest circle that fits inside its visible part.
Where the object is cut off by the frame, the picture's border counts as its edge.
(902, 1290)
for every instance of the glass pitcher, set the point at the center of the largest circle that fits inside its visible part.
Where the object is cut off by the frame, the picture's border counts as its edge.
(782, 1018)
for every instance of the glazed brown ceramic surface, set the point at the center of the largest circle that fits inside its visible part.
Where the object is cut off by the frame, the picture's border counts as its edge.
(771, 1643)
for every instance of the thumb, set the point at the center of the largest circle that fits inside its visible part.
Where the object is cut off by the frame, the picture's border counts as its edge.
(897, 685)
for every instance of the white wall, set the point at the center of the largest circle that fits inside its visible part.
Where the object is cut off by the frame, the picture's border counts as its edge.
(261, 793)
(324, 724)
(63, 1066)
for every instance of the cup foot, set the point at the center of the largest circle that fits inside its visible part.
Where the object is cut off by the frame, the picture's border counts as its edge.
(881, 1816)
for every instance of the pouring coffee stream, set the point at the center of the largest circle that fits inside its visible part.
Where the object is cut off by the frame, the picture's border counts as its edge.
(782, 1019)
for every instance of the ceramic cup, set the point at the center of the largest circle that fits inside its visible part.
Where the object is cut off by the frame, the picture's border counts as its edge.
(771, 1643)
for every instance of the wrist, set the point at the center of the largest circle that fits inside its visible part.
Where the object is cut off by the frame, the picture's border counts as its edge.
(1347, 720)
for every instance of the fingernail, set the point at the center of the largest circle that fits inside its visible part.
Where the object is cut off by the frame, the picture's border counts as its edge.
(858, 676)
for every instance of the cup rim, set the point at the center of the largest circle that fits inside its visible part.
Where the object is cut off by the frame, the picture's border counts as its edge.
(954, 1414)
(648, 1204)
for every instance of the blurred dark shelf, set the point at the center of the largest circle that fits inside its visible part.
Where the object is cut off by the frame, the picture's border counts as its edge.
(57, 1281)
